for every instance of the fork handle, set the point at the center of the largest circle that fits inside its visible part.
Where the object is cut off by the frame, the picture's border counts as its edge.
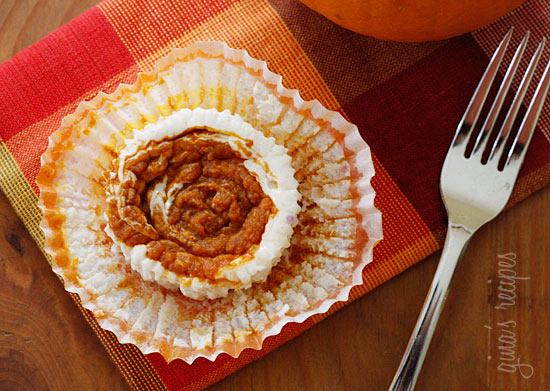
(455, 243)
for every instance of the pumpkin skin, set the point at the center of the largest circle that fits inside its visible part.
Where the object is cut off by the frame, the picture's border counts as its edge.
(412, 20)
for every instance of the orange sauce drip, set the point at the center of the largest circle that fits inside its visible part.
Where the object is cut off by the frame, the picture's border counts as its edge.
(55, 220)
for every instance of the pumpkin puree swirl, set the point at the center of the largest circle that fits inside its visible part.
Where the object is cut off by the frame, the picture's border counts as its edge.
(215, 211)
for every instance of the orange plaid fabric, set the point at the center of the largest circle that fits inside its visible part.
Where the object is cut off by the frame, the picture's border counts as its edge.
(405, 98)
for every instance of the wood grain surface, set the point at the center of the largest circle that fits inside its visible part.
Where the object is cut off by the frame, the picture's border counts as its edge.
(483, 341)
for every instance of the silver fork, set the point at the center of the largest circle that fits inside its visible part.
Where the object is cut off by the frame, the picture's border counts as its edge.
(475, 192)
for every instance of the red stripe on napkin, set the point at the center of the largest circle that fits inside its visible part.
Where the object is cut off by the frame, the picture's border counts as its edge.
(58, 69)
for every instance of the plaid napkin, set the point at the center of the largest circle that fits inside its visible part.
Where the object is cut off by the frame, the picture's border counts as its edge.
(406, 100)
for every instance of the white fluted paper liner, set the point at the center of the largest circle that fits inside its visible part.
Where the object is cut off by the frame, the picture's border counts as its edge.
(333, 241)
(270, 164)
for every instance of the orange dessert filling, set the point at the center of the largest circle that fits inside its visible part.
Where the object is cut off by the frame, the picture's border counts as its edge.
(216, 209)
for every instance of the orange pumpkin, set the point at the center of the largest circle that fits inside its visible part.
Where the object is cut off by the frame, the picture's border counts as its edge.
(412, 20)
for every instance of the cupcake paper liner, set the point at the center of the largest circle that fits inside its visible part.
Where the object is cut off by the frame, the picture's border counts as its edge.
(332, 242)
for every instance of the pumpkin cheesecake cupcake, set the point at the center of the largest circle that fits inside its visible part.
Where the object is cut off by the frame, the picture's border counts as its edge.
(204, 207)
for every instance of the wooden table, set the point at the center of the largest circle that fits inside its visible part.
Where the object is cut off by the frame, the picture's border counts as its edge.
(45, 344)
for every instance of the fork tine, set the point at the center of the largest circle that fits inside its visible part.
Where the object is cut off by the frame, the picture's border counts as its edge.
(487, 128)
(468, 121)
(527, 128)
(506, 127)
